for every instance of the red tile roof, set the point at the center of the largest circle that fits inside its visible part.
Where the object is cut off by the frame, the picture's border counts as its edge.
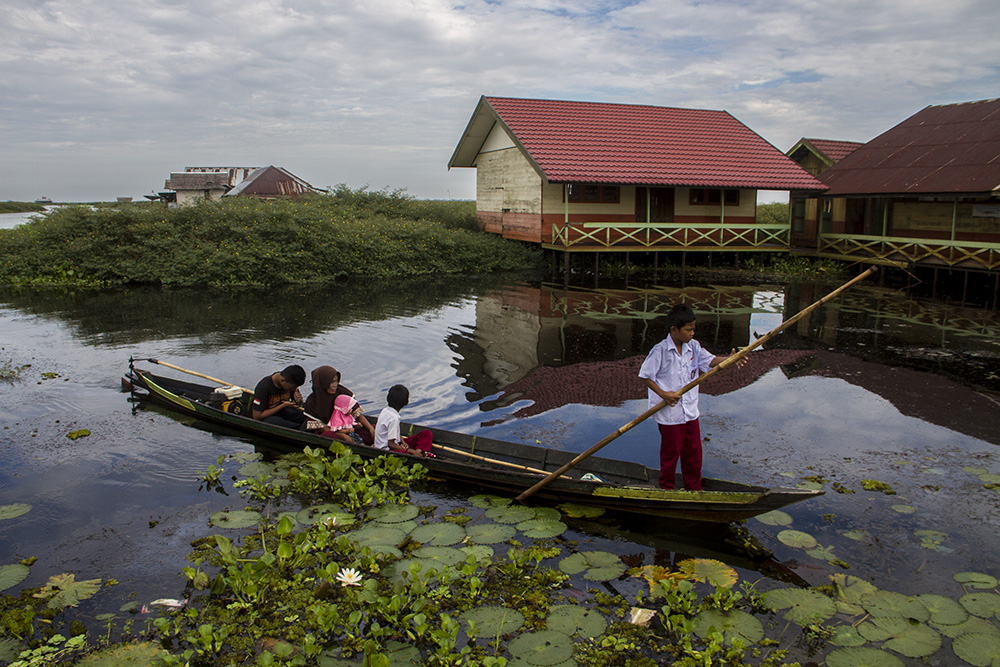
(953, 148)
(591, 142)
(835, 150)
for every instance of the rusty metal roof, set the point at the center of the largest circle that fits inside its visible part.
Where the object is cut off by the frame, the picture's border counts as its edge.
(831, 151)
(947, 149)
(272, 182)
(592, 142)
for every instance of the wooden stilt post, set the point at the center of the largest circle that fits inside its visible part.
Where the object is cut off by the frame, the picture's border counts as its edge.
(566, 268)
(934, 284)
(965, 286)
(996, 289)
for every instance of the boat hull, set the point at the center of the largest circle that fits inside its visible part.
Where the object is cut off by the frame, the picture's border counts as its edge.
(512, 467)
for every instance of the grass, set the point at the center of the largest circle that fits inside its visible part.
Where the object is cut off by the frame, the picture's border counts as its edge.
(241, 241)
(20, 207)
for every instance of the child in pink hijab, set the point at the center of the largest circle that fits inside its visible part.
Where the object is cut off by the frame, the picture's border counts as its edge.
(347, 422)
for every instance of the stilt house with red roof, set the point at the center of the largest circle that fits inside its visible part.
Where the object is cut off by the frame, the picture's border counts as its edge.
(815, 156)
(925, 193)
(596, 177)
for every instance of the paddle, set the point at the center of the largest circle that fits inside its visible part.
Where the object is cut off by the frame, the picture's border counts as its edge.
(724, 364)
(221, 382)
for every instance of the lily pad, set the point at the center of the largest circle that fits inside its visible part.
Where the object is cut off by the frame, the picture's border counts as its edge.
(595, 565)
(510, 514)
(490, 533)
(973, 624)
(494, 621)
(852, 589)
(856, 535)
(12, 575)
(944, 611)
(574, 619)
(895, 605)
(541, 528)
(140, 654)
(10, 648)
(796, 538)
(384, 549)
(861, 656)
(485, 501)
(775, 518)
(804, 606)
(847, 635)
(903, 509)
(543, 648)
(446, 555)
(981, 650)
(311, 515)
(914, 640)
(13, 510)
(989, 478)
(377, 533)
(976, 580)
(974, 470)
(392, 513)
(235, 519)
(734, 624)
(77, 434)
(478, 551)
(255, 469)
(822, 553)
(715, 572)
(63, 590)
(984, 605)
(439, 534)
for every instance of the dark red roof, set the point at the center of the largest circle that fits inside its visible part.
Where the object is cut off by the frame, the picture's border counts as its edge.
(835, 150)
(953, 148)
(591, 142)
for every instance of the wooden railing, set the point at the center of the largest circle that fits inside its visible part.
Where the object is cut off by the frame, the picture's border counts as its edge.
(669, 236)
(892, 249)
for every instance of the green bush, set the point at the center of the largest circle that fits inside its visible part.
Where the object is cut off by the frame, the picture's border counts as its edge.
(238, 240)
(773, 213)
(20, 207)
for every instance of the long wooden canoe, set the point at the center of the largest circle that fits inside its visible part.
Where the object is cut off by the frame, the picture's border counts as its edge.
(602, 482)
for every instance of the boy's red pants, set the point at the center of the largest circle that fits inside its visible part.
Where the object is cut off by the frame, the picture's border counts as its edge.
(421, 440)
(680, 441)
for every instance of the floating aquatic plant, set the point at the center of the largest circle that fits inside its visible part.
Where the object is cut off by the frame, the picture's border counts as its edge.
(577, 620)
(235, 519)
(541, 528)
(775, 518)
(984, 605)
(903, 509)
(714, 572)
(862, 656)
(543, 648)
(595, 565)
(895, 605)
(14, 510)
(139, 654)
(796, 538)
(13, 574)
(486, 500)
(801, 605)
(734, 624)
(490, 533)
(875, 485)
(979, 649)
(847, 635)
(63, 590)
(439, 534)
(79, 433)
(914, 640)
(510, 513)
(975, 580)
(393, 513)
(581, 511)
(944, 611)
(493, 621)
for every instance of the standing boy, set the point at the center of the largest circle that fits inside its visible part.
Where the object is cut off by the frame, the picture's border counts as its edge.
(672, 363)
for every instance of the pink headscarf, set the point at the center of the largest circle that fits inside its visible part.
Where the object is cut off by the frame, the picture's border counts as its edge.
(342, 407)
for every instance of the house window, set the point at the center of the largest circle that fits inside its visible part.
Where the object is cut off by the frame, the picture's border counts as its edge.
(713, 196)
(593, 194)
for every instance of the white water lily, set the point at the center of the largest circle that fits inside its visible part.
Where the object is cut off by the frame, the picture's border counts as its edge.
(330, 521)
(349, 577)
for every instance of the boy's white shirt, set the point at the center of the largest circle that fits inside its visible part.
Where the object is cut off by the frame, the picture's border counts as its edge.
(386, 428)
(671, 370)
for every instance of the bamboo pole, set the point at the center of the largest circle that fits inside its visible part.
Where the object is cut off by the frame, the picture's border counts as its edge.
(690, 385)
(488, 460)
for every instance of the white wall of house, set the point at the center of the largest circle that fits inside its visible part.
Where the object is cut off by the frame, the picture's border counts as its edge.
(505, 180)
(185, 197)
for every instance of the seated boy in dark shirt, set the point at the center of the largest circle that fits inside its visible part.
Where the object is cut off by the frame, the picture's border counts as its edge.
(276, 397)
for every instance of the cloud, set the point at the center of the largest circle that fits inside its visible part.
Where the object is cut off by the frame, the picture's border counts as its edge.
(100, 98)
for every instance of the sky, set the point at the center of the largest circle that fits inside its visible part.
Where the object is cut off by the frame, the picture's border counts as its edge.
(104, 98)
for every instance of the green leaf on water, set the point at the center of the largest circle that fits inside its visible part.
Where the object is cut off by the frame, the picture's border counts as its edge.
(775, 518)
(979, 649)
(510, 514)
(914, 640)
(393, 513)
(541, 528)
(847, 635)
(577, 620)
(63, 590)
(377, 533)
(734, 624)
(595, 565)
(851, 589)
(79, 433)
(542, 648)
(984, 605)
(989, 478)
(895, 605)
(139, 654)
(903, 509)
(14, 510)
(856, 535)
(439, 534)
(822, 553)
(311, 515)
(13, 574)
(976, 580)
(236, 519)
(478, 551)
(803, 606)
(445, 555)
(490, 533)
(714, 572)
(971, 624)
(485, 501)
(796, 538)
(944, 611)
(494, 621)
(861, 656)
(254, 469)
(974, 470)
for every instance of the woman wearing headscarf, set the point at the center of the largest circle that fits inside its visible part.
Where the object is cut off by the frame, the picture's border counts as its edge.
(325, 389)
